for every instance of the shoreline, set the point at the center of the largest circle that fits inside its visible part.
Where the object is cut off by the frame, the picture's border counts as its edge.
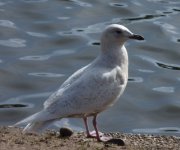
(13, 138)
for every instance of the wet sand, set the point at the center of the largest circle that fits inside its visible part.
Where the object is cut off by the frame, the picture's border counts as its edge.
(14, 139)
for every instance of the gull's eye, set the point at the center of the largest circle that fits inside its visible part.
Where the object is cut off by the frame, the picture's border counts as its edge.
(118, 31)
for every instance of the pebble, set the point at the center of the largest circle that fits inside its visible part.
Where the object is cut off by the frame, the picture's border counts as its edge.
(65, 132)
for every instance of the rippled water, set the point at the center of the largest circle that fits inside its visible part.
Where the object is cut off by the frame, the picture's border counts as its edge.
(43, 42)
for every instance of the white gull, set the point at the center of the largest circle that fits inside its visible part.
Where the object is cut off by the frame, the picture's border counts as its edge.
(91, 89)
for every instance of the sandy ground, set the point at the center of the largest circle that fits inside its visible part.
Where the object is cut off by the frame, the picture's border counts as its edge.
(14, 139)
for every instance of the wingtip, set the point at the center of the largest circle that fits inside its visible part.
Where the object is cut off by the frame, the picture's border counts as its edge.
(16, 124)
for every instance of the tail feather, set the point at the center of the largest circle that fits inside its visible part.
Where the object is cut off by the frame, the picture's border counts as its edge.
(41, 116)
(37, 122)
(37, 126)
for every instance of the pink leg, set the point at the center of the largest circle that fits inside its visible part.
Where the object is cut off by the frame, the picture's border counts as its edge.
(86, 125)
(100, 138)
(95, 127)
(90, 134)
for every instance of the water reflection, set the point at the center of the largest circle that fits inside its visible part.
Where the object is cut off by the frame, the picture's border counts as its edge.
(118, 4)
(167, 66)
(35, 34)
(13, 43)
(176, 9)
(135, 79)
(165, 130)
(160, 64)
(45, 74)
(7, 23)
(63, 18)
(164, 89)
(95, 43)
(145, 17)
(48, 56)
(145, 70)
(80, 3)
(34, 1)
(23, 99)
(12, 105)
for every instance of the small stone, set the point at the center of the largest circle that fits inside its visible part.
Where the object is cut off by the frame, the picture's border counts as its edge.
(65, 132)
(116, 141)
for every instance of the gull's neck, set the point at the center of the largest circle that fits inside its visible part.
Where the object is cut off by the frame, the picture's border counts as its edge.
(115, 55)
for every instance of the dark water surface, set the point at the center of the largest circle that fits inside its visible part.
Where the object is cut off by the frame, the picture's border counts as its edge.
(42, 42)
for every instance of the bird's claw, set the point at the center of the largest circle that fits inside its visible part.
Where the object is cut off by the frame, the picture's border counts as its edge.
(101, 138)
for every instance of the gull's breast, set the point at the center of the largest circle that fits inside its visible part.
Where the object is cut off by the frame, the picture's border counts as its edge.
(110, 87)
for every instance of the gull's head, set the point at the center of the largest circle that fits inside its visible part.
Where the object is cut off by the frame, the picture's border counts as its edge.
(118, 34)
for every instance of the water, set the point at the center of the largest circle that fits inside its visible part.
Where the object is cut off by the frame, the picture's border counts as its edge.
(43, 42)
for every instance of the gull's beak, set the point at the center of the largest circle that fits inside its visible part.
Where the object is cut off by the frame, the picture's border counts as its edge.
(136, 37)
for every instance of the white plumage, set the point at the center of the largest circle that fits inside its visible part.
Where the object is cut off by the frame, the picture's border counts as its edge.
(91, 89)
